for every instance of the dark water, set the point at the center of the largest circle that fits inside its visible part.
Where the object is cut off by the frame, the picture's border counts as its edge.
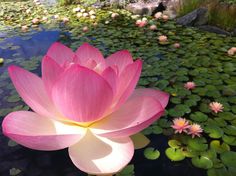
(57, 163)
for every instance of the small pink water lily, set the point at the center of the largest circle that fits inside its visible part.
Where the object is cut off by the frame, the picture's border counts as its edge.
(24, 28)
(165, 17)
(190, 85)
(158, 15)
(35, 21)
(176, 45)
(141, 23)
(65, 19)
(86, 103)
(231, 51)
(162, 38)
(216, 107)
(180, 125)
(114, 15)
(195, 130)
(153, 27)
(85, 29)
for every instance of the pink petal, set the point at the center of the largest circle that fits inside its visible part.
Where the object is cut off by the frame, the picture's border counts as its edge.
(37, 132)
(60, 53)
(110, 76)
(82, 95)
(135, 115)
(120, 58)
(160, 96)
(127, 82)
(51, 71)
(97, 155)
(86, 52)
(31, 88)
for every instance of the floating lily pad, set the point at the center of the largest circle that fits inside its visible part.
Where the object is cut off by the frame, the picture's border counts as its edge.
(199, 117)
(174, 144)
(151, 153)
(127, 171)
(202, 162)
(198, 144)
(218, 147)
(228, 158)
(174, 154)
(214, 131)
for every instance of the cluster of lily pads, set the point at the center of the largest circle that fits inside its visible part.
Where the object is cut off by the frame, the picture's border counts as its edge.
(172, 55)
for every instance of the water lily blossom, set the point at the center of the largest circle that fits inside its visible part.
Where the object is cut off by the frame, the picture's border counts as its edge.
(165, 17)
(216, 107)
(141, 23)
(190, 85)
(79, 15)
(35, 21)
(65, 20)
(114, 15)
(231, 51)
(162, 38)
(176, 45)
(85, 103)
(153, 27)
(24, 28)
(195, 130)
(180, 125)
(85, 29)
(158, 15)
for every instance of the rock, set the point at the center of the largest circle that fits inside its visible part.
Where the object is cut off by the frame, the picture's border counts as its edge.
(14, 171)
(197, 17)
(145, 8)
(214, 29)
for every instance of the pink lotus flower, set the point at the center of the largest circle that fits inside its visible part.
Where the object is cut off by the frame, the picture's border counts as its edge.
(86, 103)
(162, 38)
(190, 85)
(153, 27)
(180, 125)
(195, 130)
(216, 107)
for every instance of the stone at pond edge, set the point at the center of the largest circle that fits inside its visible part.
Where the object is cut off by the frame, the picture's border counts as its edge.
(197, 17)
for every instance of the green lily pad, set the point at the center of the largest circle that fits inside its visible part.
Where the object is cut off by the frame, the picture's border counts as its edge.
(202, 162)
(174, 144)
(198, 144)
(199, 117)
(156, 129)
(219, 148)
(228, 158)
(151, 153)
(127, 171)
(214, 131)
(174, 154)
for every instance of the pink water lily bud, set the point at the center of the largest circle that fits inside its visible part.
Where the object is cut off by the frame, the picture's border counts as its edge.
(85, 29)
(114, 15)
(24, 28)
(85, 103)
(216, 107)
(153, 27)
(162, 38)
(35, 21)
(165, 17)
(180, 125)
(189, 85)
(195, 130)
(141, 23)
(158, 15)
(65, 20)
(231, 51)
(176, 45)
